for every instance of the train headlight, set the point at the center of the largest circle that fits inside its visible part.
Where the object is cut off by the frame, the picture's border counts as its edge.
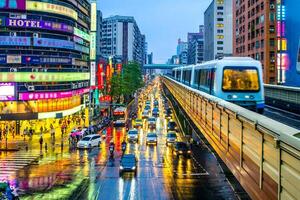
(251, 97)
(234, 96)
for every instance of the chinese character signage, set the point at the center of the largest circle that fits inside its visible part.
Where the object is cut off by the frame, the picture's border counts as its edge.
(47, 42)
(7, 91)
(45, 60)
(13, 4)
(14, 41)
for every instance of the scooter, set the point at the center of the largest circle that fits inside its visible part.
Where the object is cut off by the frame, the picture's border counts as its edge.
(111, 150)
(123, 148)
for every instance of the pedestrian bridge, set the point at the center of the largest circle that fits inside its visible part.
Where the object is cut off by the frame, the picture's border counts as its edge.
(160, 66)
(263, 154)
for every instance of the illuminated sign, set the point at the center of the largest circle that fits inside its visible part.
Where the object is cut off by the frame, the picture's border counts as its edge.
(93, 16)
(28, 23)
(25, 96)
(51, 8)
(93, 46)
(13, 4)
(14, 41)
(81, 34)
(46, 60)
(47, 42)
(93, 73)
(14, 59)
(100, 75)
(43, 76)
(2, 59)
(81, 48)
(7, 91)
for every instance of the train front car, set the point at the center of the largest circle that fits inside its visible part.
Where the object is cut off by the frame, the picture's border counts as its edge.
(240, 81)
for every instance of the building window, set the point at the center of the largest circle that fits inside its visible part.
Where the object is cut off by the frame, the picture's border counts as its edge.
(219, 48)
(220, 19)
(220, 36)
(220, 25)
(220, 8)
(219, 42)
(219, 31)
(219, 13)
(272, 17)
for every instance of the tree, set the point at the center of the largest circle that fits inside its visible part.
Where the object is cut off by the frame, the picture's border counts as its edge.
(116, 87)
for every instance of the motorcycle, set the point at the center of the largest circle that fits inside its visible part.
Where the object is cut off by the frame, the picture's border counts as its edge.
(111, 150)
(123, 148)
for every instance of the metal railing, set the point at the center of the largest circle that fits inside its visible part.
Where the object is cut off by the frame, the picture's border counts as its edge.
(263, 154)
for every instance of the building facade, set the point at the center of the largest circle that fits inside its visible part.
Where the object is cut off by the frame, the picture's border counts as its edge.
(44, 62)
(121, 37)
(182, 48)
(195, 52)
(218, 30)
(255, 34)
(99, 34)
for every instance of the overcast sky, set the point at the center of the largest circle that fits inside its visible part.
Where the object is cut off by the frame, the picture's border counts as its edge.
(162, 21)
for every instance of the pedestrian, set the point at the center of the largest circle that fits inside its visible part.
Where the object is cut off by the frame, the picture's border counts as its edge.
(41, 129)
(0, 134)
(41, 142)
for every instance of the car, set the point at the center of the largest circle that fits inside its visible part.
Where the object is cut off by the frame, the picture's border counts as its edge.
(89, 141)
(148, 102)
(152, 122)
(168, 113)
(181, 148)
(155, 103)
(133, 135)
(171, 137)
(128, 163)
(138, 123)
(145, 114)
(172, 126)
(155, 112)
(151, 138)
(147, 107)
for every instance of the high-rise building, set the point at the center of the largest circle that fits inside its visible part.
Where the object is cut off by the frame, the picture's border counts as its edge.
(255, 34)
(121, 37)
(195, 52)
(182, 48)
(150, 58)
(99, 34)
(44, 61)
(218, 30)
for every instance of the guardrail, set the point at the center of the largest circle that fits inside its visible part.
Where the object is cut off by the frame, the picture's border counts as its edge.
(263, 154)
(287, 98)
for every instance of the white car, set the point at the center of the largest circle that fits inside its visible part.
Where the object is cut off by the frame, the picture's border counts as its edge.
(151, 138)
(133, 135)
(89, 141)
(145, 114)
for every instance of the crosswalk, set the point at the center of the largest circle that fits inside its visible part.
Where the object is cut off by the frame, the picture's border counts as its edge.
(11, 164)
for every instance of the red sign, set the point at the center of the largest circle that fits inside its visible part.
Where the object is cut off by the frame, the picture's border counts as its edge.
(100, 75)
(105, 98)
(119, 67)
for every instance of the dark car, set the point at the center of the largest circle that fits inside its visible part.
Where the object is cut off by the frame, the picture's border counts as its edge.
(172, 126)
(168, 113)
(128, 163)
(181, 148)
(155, 103)
(155, 112)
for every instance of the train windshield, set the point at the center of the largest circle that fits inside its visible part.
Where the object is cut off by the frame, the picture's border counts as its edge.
(240, 79)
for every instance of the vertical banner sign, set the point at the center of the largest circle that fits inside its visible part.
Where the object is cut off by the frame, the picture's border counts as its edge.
(100, 75)
(93, 16)
(93, 73)
(93, 46)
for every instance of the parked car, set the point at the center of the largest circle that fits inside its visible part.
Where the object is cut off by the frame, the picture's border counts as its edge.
(151, 138)
(171, 137)
(128, 163)
(89, 141)
(181, 148)
(172, 126)
(133, 135)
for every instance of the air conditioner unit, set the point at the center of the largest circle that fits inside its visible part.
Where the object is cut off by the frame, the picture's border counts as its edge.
(31, 88)
(13, 34)
(13, 69)
(35, 35)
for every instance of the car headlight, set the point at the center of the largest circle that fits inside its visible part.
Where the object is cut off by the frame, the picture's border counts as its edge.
(121, 167)
(180, 151)
(189, 151)
(133, 168)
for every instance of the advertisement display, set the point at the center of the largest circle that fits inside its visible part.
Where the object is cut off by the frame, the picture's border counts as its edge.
(81, 34)
(93, 46)
(14, 41)
(2, 59)
(43, 76)
(40, 24)
(51, 8)
(7, 91)
(81, 48)
(93, 16)
(14, 59)
(47, 42)
(25, 96)
(93, 73)
(45, 60)
(13, 4)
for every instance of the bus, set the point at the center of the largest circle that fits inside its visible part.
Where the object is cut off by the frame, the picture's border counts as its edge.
(120, 116)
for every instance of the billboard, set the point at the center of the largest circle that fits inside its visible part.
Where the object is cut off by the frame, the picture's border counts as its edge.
(51, 8)
(7, 91)
(46, 60)
(25, 96)
(93, 73)
(93, 46)
(13, 4)
(93, 16)
(14, 41)
(56, 43)
(40, 24)
(43, 76)
(81, 34)
(2, 59)
(81, 48)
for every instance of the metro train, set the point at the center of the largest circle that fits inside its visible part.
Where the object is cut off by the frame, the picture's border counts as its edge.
(235, 79)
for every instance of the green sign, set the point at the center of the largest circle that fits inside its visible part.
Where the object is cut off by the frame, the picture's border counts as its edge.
(81, 34)
(43, 76)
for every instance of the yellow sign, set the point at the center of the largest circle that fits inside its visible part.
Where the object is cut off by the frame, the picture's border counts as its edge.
(51, 8)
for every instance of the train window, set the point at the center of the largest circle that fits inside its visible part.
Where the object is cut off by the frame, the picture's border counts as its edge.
(196, 78)
(240, 79)
(173, 74)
